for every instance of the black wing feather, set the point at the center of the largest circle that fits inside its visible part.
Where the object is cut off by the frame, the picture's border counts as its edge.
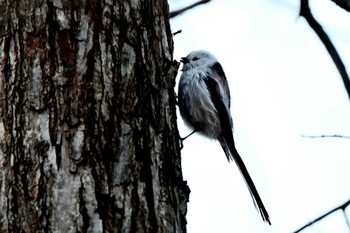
(218, 69)
(214, 90)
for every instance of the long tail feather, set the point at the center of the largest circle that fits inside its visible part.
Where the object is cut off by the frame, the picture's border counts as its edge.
(232, 154)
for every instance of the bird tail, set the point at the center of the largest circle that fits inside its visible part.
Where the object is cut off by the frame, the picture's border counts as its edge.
(229, 148)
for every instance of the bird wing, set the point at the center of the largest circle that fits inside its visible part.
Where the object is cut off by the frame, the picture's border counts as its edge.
(217, 68)
(228, 144)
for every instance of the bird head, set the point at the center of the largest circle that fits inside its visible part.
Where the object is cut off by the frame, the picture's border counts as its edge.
(198, 58)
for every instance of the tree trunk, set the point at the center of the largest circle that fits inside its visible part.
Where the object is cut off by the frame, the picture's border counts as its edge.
(88, 135)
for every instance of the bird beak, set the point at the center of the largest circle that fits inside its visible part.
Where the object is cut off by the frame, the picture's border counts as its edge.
(184, 60)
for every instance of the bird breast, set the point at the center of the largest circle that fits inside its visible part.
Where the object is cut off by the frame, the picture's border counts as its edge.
(196, 106)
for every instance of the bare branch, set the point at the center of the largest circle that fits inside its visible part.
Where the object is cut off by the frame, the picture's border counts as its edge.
(306, 13)
(177, 12)
(341, 207)
(326, 136)
(345, 4)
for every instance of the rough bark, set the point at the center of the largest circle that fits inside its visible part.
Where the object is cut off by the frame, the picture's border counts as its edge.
(88, 136)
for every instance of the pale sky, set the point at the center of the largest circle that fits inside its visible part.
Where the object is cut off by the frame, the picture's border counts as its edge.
(283, 85)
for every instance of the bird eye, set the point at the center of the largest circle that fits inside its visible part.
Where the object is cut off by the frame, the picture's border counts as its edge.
(195, 59)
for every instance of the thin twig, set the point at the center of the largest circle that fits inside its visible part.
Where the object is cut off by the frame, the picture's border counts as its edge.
(346, 219)
(306, 13)
(325, 136)
(177, 32)
(177, 12)
(342, 207)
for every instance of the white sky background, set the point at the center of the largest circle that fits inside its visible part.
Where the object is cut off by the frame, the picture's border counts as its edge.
(283, 84)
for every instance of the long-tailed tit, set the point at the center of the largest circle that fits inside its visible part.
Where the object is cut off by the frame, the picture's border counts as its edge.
(204, 103)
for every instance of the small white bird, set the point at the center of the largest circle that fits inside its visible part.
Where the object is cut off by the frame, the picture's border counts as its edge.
(204, 103)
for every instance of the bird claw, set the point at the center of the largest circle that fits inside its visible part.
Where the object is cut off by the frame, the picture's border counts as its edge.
(183, 139)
